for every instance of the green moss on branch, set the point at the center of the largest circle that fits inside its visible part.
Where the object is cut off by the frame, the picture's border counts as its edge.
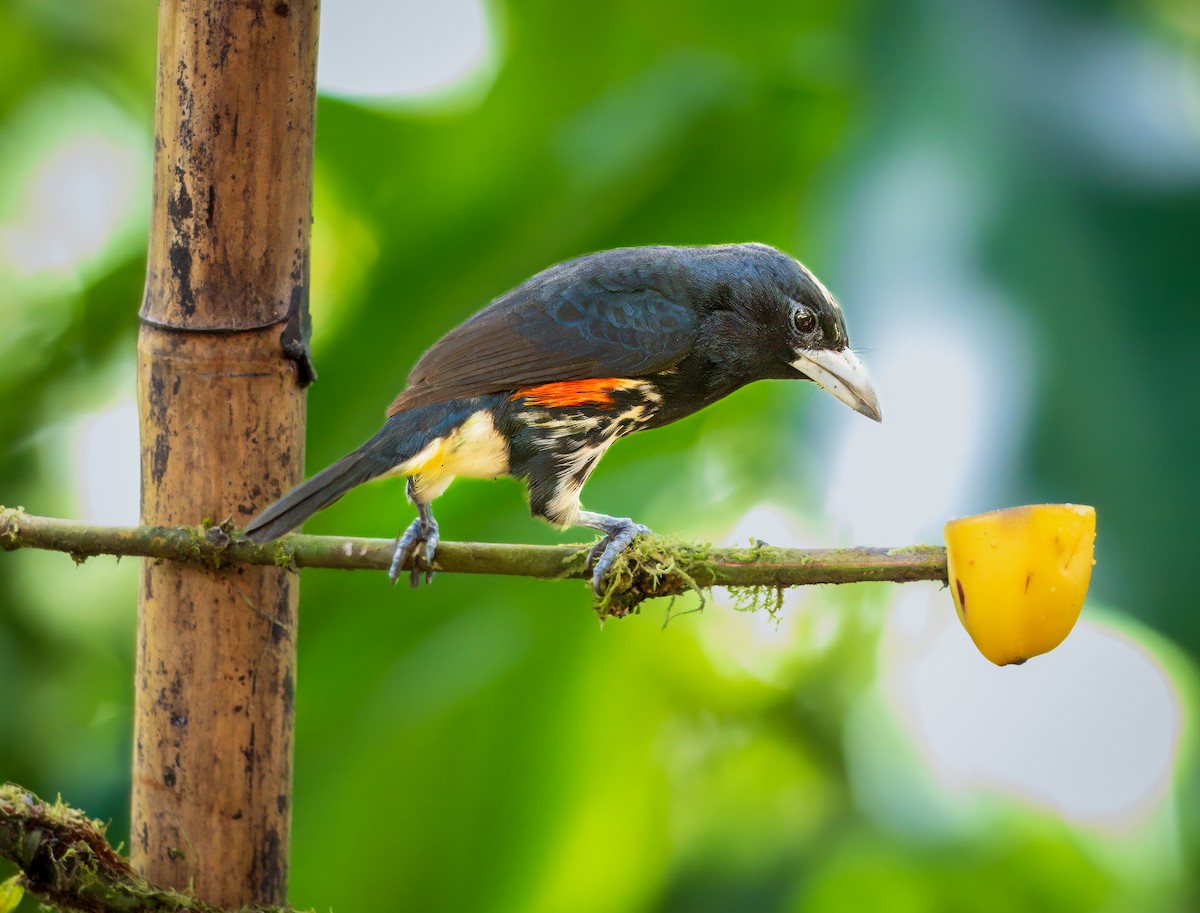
(67, 863)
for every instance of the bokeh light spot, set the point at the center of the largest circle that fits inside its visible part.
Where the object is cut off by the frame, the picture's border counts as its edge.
(1089, 732)
(403, 50)
(76, 172)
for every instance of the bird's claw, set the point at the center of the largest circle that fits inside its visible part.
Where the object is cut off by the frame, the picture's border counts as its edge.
(604, 552)
(409, 549)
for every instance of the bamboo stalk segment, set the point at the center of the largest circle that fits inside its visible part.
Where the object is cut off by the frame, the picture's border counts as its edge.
(216, 649)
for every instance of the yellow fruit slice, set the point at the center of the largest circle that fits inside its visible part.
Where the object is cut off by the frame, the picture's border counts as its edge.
(1018, 576)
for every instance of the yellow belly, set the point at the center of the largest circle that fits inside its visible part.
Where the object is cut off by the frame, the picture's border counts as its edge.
(474, 449)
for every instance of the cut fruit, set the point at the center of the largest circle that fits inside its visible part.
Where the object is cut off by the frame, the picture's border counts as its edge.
(1018, 576)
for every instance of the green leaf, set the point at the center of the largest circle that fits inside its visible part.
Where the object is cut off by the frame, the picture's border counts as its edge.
(11, 893)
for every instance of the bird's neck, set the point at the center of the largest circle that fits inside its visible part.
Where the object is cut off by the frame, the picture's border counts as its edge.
(690, 386)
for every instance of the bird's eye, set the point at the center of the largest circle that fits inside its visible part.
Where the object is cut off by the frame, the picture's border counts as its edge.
(804, 320)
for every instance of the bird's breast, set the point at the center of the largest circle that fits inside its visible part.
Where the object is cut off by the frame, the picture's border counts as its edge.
(563, 428)
(559, 432)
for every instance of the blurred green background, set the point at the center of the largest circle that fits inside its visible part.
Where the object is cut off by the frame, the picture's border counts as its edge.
(1006, 197)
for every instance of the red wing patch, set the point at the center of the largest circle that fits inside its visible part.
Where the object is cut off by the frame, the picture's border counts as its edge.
(596, 391)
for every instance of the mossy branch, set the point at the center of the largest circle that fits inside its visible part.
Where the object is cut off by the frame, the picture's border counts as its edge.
(653, 566)
(66, 861)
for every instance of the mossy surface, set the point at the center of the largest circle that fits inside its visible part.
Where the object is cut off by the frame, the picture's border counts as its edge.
(918, 552)
(67, 863)
(10, 527)
(655, 566)
(760, 552)
(767, 599)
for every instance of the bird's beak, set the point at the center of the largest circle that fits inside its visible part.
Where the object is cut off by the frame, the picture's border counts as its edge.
(843, 375)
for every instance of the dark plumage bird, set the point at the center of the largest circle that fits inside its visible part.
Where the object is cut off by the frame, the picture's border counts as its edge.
(544, 379)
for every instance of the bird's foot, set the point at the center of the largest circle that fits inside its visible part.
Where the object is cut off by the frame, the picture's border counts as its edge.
(618, 533)
(416, 544)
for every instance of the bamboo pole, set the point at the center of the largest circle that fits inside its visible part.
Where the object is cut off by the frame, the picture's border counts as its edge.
(221, 370)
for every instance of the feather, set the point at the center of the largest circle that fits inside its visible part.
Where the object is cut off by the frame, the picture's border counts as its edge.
(622, 313)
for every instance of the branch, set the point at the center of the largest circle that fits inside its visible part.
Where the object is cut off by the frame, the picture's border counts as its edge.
(653, 566)
(67, 862)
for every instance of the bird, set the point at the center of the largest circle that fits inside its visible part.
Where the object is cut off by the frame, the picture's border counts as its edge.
(543, 380)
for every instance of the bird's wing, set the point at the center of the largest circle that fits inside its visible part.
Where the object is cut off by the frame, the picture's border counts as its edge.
(598, 316)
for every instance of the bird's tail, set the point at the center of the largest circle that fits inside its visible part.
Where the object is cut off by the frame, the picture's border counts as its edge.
(397, 442)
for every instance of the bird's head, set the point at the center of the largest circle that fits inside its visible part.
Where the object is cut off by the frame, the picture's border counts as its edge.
(772, 317)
